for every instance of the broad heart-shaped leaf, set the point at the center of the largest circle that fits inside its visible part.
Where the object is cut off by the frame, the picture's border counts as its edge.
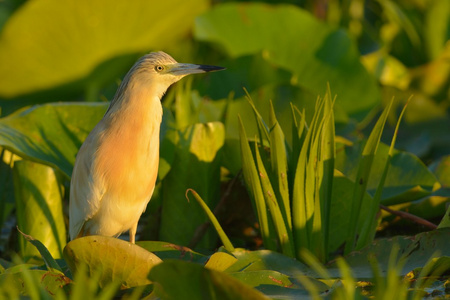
(196, 165)
(50, 133)
(39, 207)
(115, 259)
(417, 250)
(292, 38)
(182, 280)
(408, 178)
(63, 42)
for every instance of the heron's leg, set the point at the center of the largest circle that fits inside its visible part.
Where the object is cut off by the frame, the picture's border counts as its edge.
(133, 233)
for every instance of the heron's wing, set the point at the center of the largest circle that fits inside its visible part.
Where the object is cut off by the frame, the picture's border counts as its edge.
(86, 191)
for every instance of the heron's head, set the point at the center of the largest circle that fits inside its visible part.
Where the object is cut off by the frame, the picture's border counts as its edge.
(154, 72)
(161, 69)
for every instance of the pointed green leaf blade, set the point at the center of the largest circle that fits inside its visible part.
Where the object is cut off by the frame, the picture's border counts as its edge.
(253, 183)
(362, 177)
(283, 231)
(278, 157)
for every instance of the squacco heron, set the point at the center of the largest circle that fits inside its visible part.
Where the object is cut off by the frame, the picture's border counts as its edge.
(116, 167)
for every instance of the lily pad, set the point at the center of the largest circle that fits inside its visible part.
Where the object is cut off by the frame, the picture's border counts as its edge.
(116, 260)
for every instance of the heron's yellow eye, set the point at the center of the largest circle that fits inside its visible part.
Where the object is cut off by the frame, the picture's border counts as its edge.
(159, 68)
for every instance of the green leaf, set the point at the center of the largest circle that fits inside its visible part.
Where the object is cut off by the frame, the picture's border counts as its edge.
(181, 280)
(220, 261)
(50, 262)
(46, 281)
(266, 260)
(436, 27)
(6, 184)
(362, 177)
(284, 233)
(263, 130)
(253, 183)
(279, 286)
(305, 205)
(441, 169)
(416, 250)
(299, 129)
(32, 133)
(369, 226)
(224, 238)
(39, 196)
(408, 178)
(166, 250)
(445, 222)
(299, 201)
(327, 158)
(95, 27)
(116, 260)
(325, 53)
(278, 158)
(196, 165)
(340, 210)
(168, 143)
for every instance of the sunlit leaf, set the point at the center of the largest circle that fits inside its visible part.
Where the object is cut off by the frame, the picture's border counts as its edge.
(284, 233)
(253, 183)
(81, 44)
(116, 260)
(50, 262)
(278, 157)
(51, 133)
(39, 204)
(220, 261)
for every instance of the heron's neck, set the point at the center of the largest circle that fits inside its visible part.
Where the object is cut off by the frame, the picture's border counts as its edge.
(138, 107)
